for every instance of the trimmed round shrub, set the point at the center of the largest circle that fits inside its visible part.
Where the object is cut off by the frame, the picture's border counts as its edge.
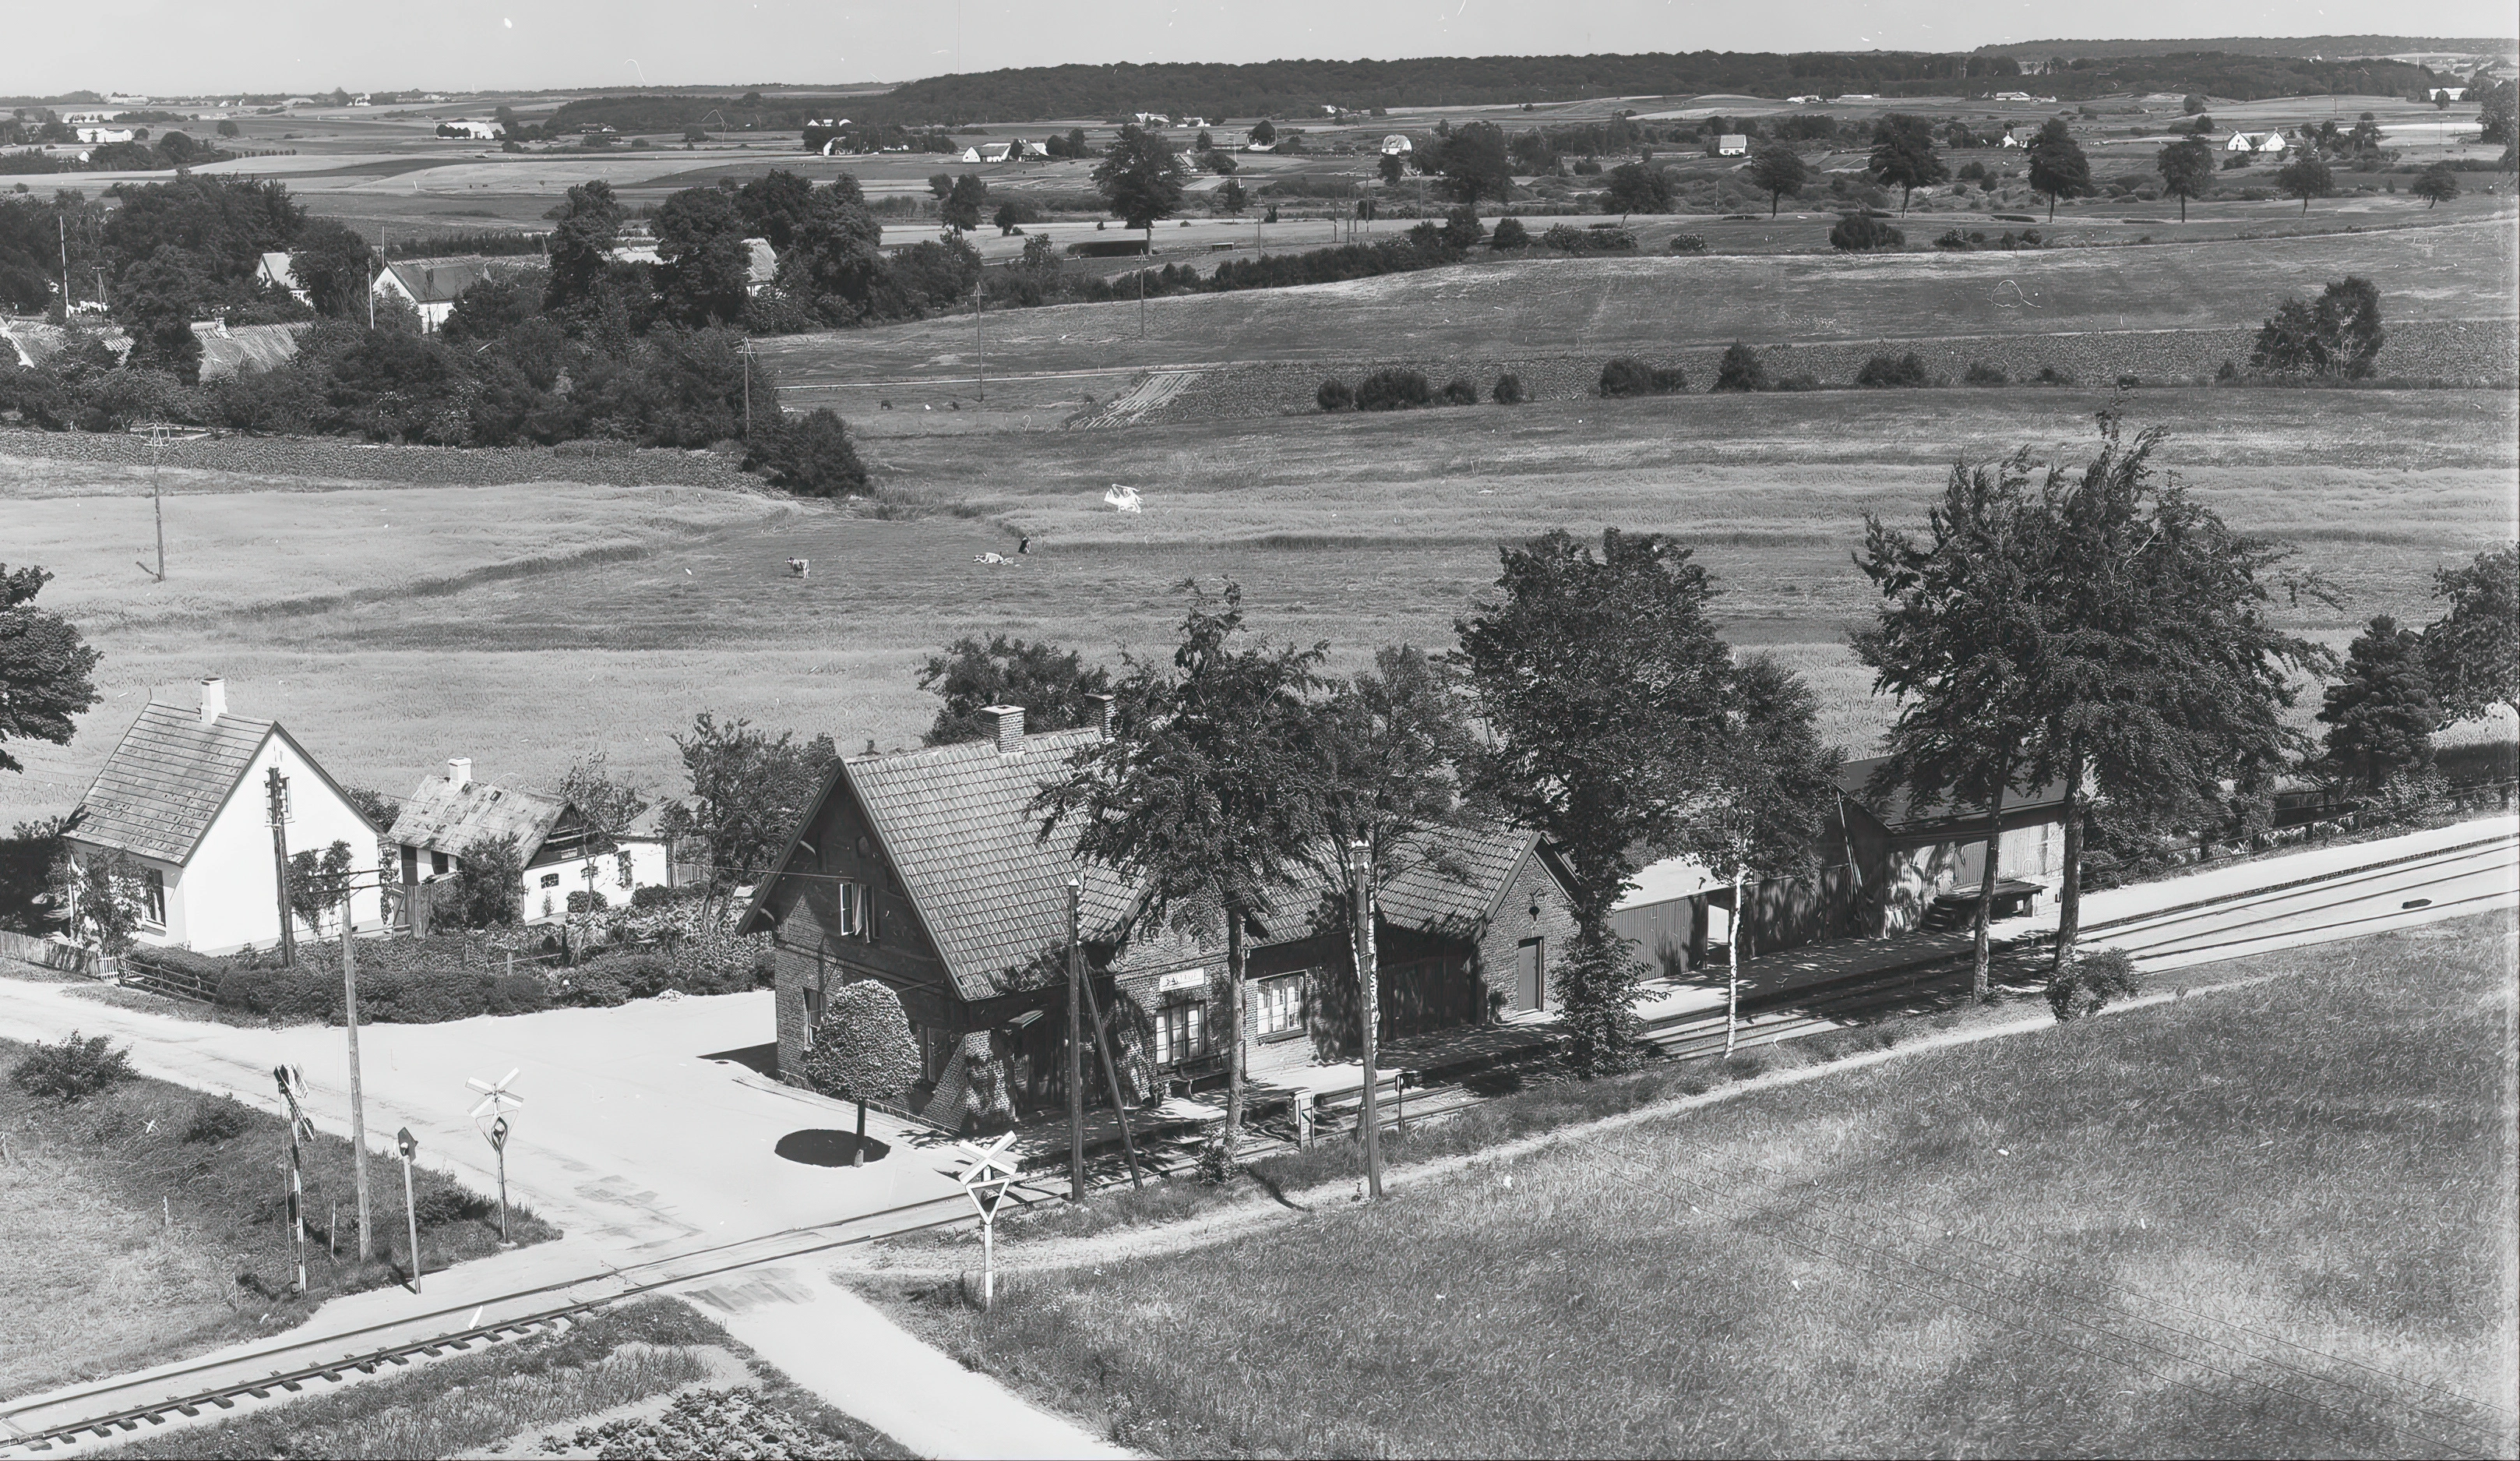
(2091, 984)
(1904, 371)
(1628, 376)
(1862, 233)
(1510, 234)
(1979, 372)
(1688, 242)
(1507, 390)
(594, 988)
(518, 994)
(1741, 369)
(1393, 389)
(1334, 395)
(1461, 390)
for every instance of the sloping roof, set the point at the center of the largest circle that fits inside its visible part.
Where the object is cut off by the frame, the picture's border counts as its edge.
(157, 796)
(281, 268)
(439, 281)
(1898, 811)
(38, 341)
(957, 826)
(244, 348)
(762, 260)
(444, 817)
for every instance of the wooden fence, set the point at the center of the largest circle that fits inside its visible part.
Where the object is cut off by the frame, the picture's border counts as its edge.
(46, 953)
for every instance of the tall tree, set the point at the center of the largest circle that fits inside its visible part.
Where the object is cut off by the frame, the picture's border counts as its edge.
(774, 203)
(2163, 678)
(1903, 156)
(582, 243)
(708, 269)
(2057, 166)
(1195, 800)
(2380, 715)
(961, 210)
(489, 879)
(1474, 163)
(2306, 177)
(335, 265)
(747, 792)
(1054, 686)
(1600, 679)
(47, 672)
(2435, 184)
(1140, 177)
(1958, 639)
(2338, 335)
(2187, 172)
(1778, 170)
(1636, 187)
(2472, 652)
(156, 299)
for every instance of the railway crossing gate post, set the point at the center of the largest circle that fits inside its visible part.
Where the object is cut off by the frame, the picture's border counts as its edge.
(409, 1146)
(496, 1100)
(290, 1083)
(985, 1181)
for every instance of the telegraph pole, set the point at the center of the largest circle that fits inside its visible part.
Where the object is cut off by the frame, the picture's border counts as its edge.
(980, 348)
(276, 789)
(1368, 1000)
(1076, 1041)
(358, 1102)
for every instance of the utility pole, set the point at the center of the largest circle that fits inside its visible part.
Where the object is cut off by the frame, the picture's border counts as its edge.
(1369, 996)
(1076, 1041)
(157, 501)
(980, 348)
(276, 789)
(1142, 281)
(748, 390)
(358, 1100)
(62, 224)
(1111, 1077)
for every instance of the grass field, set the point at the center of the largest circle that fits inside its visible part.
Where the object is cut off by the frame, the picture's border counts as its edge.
(526, 625)
(134, 1235)
(615, 1365)
(2276, 1219)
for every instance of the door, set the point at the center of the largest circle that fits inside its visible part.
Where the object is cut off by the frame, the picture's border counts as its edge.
(1530, 985)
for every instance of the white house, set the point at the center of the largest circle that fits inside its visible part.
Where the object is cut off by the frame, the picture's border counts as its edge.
(280, 271)
(465, 129)
(996, 152)
(100, 136)
(184, 799)
(446, 815)
(431, 286)
(1397, 146)
(1732, 145)
(2255, 142)
(2011, 96)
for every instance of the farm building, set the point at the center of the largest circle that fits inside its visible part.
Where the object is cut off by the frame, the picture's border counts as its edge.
(100, 136)
(32, 342)
(447, 814)
(242, 350)
(1397, 146)
(2255, 142)
(1732, 145)
(1882, 865)
(431, 286)
(464, 129)
(994, 152)
(278, 271)
(184, 804)
(924, 870)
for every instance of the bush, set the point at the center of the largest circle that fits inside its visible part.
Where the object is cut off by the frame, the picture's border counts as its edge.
(519, 993)
(1954, 241)
(1507, 390)
(1461, 390)
(715, 962)
(654, 896)
(73, 1069)
(1334, 397)
(2091, 983)
(1510, 234)
(1741, 369)
(808, 454)
(1628, 376)
(286, 995)
(2049, 375)
(593, 988)
(1568, 239)
(424, 996)
(1393, 389)
(643, 973)
(1688, 242)
(1883, 371)
(1979, 372)
(1862, 233)
(440, 1206)
(216, 1119)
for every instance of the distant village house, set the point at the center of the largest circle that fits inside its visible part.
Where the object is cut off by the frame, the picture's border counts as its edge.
(560, 854)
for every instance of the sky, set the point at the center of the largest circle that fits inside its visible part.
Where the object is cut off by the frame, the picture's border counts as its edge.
(182, 47)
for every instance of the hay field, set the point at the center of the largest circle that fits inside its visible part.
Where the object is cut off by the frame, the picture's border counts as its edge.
(526, 625)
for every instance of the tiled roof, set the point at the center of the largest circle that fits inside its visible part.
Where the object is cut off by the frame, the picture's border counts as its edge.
(166, 783)
(1898, 810)
(243, 349)
(439, 281)
(444, 817)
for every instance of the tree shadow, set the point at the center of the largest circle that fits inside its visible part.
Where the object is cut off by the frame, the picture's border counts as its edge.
(824, 1148)
(760, 1060)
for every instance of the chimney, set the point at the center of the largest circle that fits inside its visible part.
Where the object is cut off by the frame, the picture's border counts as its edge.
(459, 771)
(215, 700)
(1010, 726)
(1102, 712)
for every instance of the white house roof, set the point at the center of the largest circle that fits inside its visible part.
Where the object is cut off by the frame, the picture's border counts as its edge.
(1396, 144)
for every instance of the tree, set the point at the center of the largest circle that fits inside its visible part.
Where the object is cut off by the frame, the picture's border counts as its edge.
(1600, 679)
(1778, 170)
(807, 452)
(2163, 679)
(707, 270)
(1140, 178)
(2494, 108)
(319, 883)
(747, 792)
(2306, 177)
(1205, 143)
(1389, 168)
(1264, 132)
(961, 209)
(2338, 335)
(2057, 166)
(156, 299)
(106, 895)
(1903, 156)
(1054, 686)
(837, 252)
(581, 243)
(1956, 639)
(605, 804)
(2472, 652)
(489, 879)
(2436, 185)
(1194, 800)
(1862, 233)
(1636, 187)
(2187, 172)
(229, 129)
(775, 203)
(1740, 369)
(863, 1051)
(46, 670)
(1474, 163)
(2366, 136)
(1230, 197)
(335, 265)
(2380, 715)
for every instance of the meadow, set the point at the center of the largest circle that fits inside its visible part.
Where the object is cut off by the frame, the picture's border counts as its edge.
(2263, 1220)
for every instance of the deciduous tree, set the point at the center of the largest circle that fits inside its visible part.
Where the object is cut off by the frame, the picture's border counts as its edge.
(1474, 162)
(1140, 177)
(319, 883)
(1778, 170)
(2338, 335)
(707, 270)
(2472, 652)
(1636, 187)
(2187, 172)
(2057, 166)
(1054, 686)
(1903, 156)
(2435, 184)
(749, 788)
(2306, 177)
(47, 672)
(863, 1051)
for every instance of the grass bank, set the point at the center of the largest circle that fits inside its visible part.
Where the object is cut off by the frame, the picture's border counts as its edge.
(146, 1222)
(2274, 1219)
(651, 1378)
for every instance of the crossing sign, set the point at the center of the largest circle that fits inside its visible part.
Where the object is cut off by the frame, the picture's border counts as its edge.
(496, 1099)
(992, 1171)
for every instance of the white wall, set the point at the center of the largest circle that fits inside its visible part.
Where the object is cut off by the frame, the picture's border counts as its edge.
(648, 868)
(228, 895)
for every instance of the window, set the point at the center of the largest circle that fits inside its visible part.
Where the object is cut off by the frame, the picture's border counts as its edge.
(438, 862)
(153, 898)
(550, 880)
(1277, 1006)
(1181, 1033)
(853, 909)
